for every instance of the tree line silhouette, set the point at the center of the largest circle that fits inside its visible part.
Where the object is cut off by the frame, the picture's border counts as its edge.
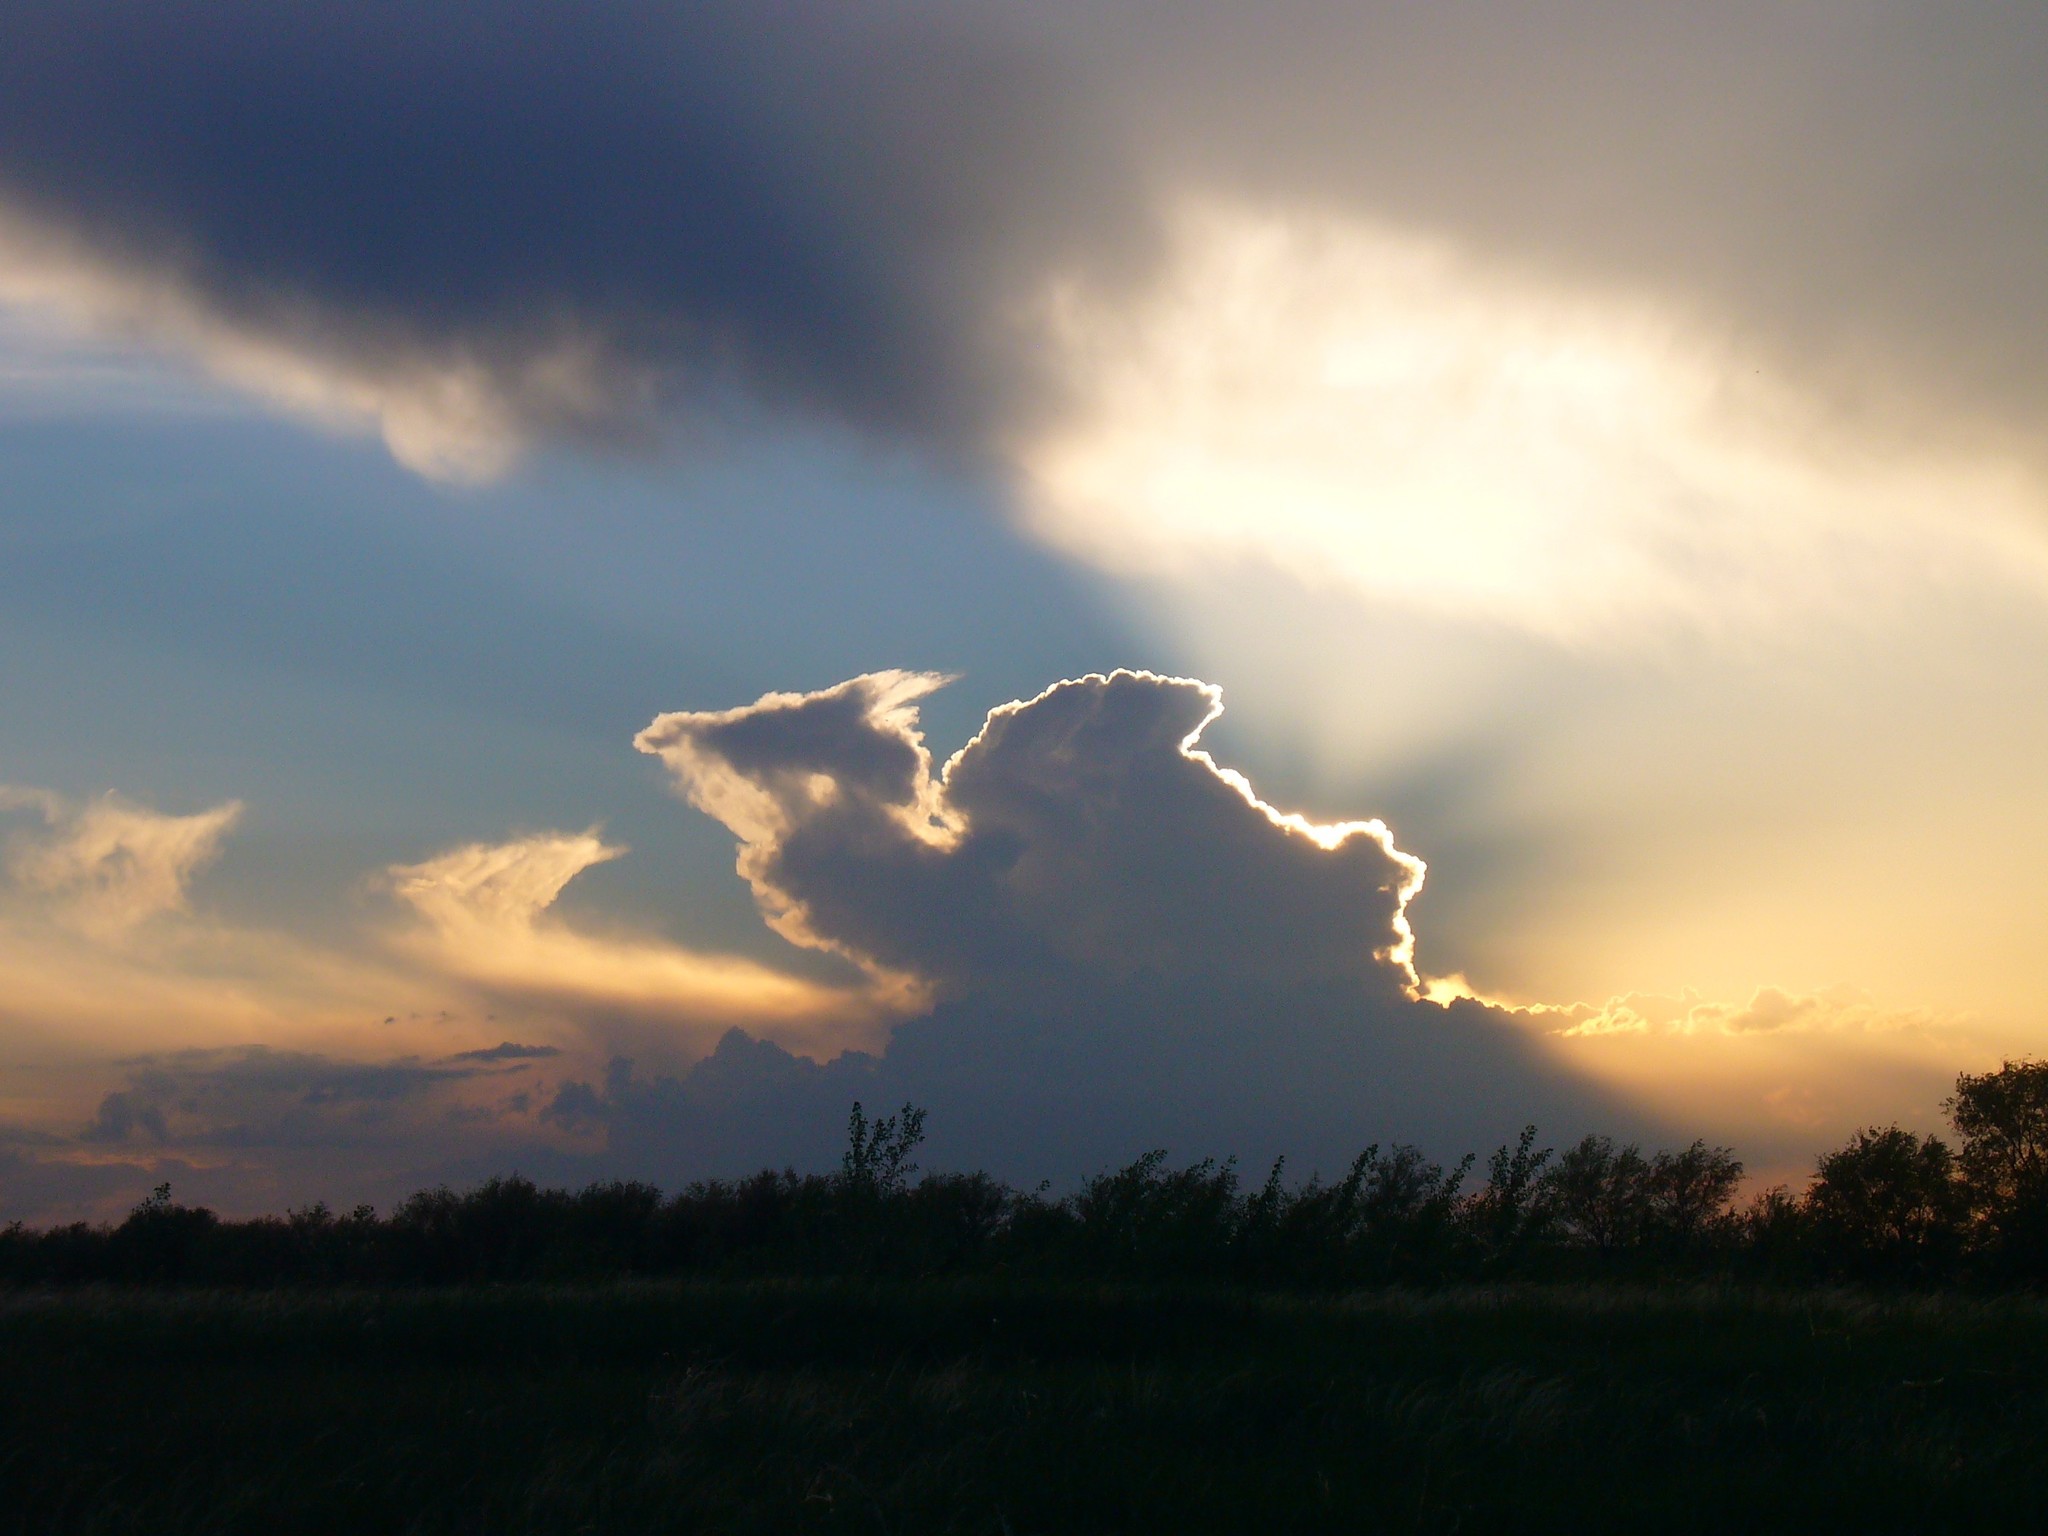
(1888, 1206)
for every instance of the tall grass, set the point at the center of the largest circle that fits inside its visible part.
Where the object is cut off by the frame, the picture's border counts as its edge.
(1010, 1406)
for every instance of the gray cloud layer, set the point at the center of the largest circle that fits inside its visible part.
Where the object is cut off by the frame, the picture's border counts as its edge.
(254, 1096)
(575, 217)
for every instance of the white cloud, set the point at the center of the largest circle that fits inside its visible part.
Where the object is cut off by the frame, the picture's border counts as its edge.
(1377, 413)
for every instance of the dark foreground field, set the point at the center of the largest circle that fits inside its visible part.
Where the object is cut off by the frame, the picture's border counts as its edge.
(986, 1407)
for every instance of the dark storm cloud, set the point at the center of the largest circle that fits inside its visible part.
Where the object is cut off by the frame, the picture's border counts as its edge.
(1127, 945)
(588, 215)
(813, 204)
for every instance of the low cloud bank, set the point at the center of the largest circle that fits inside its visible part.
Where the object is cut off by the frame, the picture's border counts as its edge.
(256, 1097)
(252, 1129)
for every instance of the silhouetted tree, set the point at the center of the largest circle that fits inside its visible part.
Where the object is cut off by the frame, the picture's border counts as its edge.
(1149, 1219)
(1889, 1203)
(1689, 1194)
(2002, 1120)
(1599, 1194)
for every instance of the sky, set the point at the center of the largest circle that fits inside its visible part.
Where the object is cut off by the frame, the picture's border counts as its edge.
(581, 588)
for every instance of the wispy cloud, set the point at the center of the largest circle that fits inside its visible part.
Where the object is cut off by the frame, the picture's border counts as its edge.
(443, 415)
(484, 917)
(109, 865)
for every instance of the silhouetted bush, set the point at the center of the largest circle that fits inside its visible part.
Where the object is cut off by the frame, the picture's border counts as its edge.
(1772, 1237)
(1511, 1215)
(163, 1243)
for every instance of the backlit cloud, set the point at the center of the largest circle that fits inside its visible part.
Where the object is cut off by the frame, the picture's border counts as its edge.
(1602, 438)
(1079, 832)
(1125, 942)
(1078, 938)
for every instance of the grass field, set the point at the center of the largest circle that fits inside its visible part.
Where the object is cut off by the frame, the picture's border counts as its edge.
(1003, 1408)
